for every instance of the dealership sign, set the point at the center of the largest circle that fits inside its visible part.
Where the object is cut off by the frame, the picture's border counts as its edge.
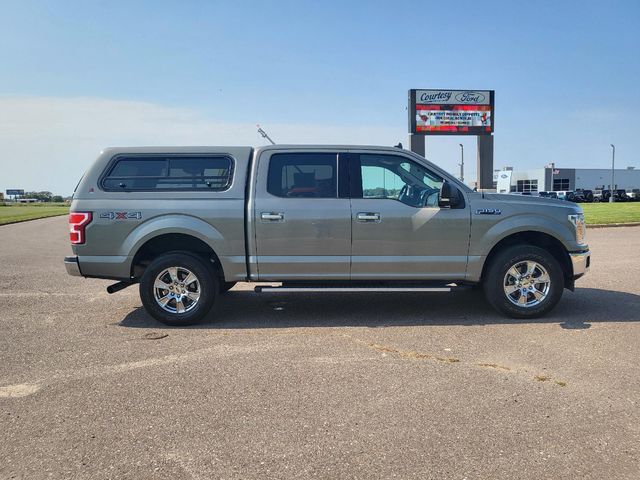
(503, 184)
(15, 192)
(451, 112)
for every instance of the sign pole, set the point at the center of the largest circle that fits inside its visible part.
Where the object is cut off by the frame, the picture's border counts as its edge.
(613, 173)
(485, 162)
(417, 144)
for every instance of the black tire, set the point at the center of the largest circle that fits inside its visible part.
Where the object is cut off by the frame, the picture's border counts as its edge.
(494, 282)
(208, 283)
(226, 286)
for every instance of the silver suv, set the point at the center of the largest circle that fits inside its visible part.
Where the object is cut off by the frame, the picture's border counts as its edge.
(187, 223)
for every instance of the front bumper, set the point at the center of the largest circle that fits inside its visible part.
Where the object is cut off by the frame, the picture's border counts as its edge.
(581, 263)
(72, 266)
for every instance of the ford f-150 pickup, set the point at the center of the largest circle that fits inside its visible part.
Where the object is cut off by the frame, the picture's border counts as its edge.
(187, 223)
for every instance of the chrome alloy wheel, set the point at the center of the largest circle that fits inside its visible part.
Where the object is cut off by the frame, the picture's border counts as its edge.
(176, 290)
(526, 284)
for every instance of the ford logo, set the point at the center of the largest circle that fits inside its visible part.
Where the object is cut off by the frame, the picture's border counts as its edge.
(470, 97)
(504, 175)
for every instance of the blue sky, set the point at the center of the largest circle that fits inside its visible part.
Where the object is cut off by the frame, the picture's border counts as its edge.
(78, 76)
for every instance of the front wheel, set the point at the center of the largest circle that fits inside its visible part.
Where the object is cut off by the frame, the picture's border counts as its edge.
(178, 289)
(524, 282)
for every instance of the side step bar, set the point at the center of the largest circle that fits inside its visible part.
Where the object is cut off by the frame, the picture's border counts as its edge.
(359, 288)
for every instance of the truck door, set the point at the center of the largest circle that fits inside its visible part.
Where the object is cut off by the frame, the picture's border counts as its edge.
(302, 224)
(399, 231)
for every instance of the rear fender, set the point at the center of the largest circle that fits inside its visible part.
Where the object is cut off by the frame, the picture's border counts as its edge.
(175, 223)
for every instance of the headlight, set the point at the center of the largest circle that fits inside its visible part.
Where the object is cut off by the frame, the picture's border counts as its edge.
(581, 227)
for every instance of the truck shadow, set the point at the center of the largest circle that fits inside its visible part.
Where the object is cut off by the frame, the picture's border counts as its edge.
(240, 309)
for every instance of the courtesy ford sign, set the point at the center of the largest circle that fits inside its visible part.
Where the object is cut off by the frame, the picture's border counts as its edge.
(451, 112)
(453, 97)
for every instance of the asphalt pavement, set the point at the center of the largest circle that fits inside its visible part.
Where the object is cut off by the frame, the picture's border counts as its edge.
(429, 386)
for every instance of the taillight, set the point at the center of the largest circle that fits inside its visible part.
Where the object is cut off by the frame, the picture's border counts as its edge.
(77, 222)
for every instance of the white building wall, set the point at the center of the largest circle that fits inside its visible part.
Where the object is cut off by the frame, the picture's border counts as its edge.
(534, 174)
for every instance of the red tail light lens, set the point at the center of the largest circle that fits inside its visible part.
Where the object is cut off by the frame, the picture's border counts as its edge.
(77, 222)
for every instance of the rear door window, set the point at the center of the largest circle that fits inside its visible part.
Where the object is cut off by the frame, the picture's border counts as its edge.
(169, 173)
(303, 175)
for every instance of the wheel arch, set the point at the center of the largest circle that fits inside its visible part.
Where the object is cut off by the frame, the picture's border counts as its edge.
(173, 242)
(173, 233)
(537, 239)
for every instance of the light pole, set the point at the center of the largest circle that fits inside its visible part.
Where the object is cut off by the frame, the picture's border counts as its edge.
(613, 172)
(462, 163)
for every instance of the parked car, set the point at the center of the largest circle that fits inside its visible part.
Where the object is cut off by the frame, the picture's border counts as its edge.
(548, 194)
(583, 195)
(633, 194)
(600, 195)
(621, 195)
(187, 223)
(567, 195)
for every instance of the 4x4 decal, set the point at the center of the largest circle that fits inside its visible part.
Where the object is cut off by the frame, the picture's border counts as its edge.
(121, 215)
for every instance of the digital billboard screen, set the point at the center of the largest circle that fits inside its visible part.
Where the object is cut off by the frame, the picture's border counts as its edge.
(451, 112)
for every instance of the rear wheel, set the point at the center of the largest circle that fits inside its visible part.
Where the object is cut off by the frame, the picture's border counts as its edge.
(524, 282)
(178, 289)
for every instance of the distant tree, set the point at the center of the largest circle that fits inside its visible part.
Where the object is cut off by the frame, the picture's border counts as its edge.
(42, 196)
(57, 199)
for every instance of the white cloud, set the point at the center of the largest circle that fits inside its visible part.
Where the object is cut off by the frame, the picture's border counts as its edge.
(46, 143)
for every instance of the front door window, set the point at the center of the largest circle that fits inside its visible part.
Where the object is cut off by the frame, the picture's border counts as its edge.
(397, 178)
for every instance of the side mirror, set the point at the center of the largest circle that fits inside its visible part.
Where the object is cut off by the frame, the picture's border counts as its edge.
(449, 195)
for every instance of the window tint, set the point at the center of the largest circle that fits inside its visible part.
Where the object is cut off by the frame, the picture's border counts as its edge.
(130, 167)
(396, 178)
(303, 175)
(170, 173)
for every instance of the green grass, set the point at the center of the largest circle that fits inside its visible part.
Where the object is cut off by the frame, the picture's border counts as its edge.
(20, 213)
(621, 212)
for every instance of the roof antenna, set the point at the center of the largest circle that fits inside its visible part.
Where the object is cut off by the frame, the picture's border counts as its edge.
(264, 134)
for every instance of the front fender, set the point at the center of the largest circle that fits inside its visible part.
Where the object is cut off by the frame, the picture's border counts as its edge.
(483, 241)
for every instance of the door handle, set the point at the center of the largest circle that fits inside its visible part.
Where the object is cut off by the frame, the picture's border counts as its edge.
(272, 216)
(368, 217)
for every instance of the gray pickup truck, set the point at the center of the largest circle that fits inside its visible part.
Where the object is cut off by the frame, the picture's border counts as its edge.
(187, 223)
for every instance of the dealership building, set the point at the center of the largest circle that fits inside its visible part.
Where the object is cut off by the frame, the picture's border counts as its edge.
(557, 179)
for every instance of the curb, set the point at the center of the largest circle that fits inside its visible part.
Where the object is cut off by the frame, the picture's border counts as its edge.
(613, 225)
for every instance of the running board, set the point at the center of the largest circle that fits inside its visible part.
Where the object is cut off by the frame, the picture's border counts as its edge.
(301, 289)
